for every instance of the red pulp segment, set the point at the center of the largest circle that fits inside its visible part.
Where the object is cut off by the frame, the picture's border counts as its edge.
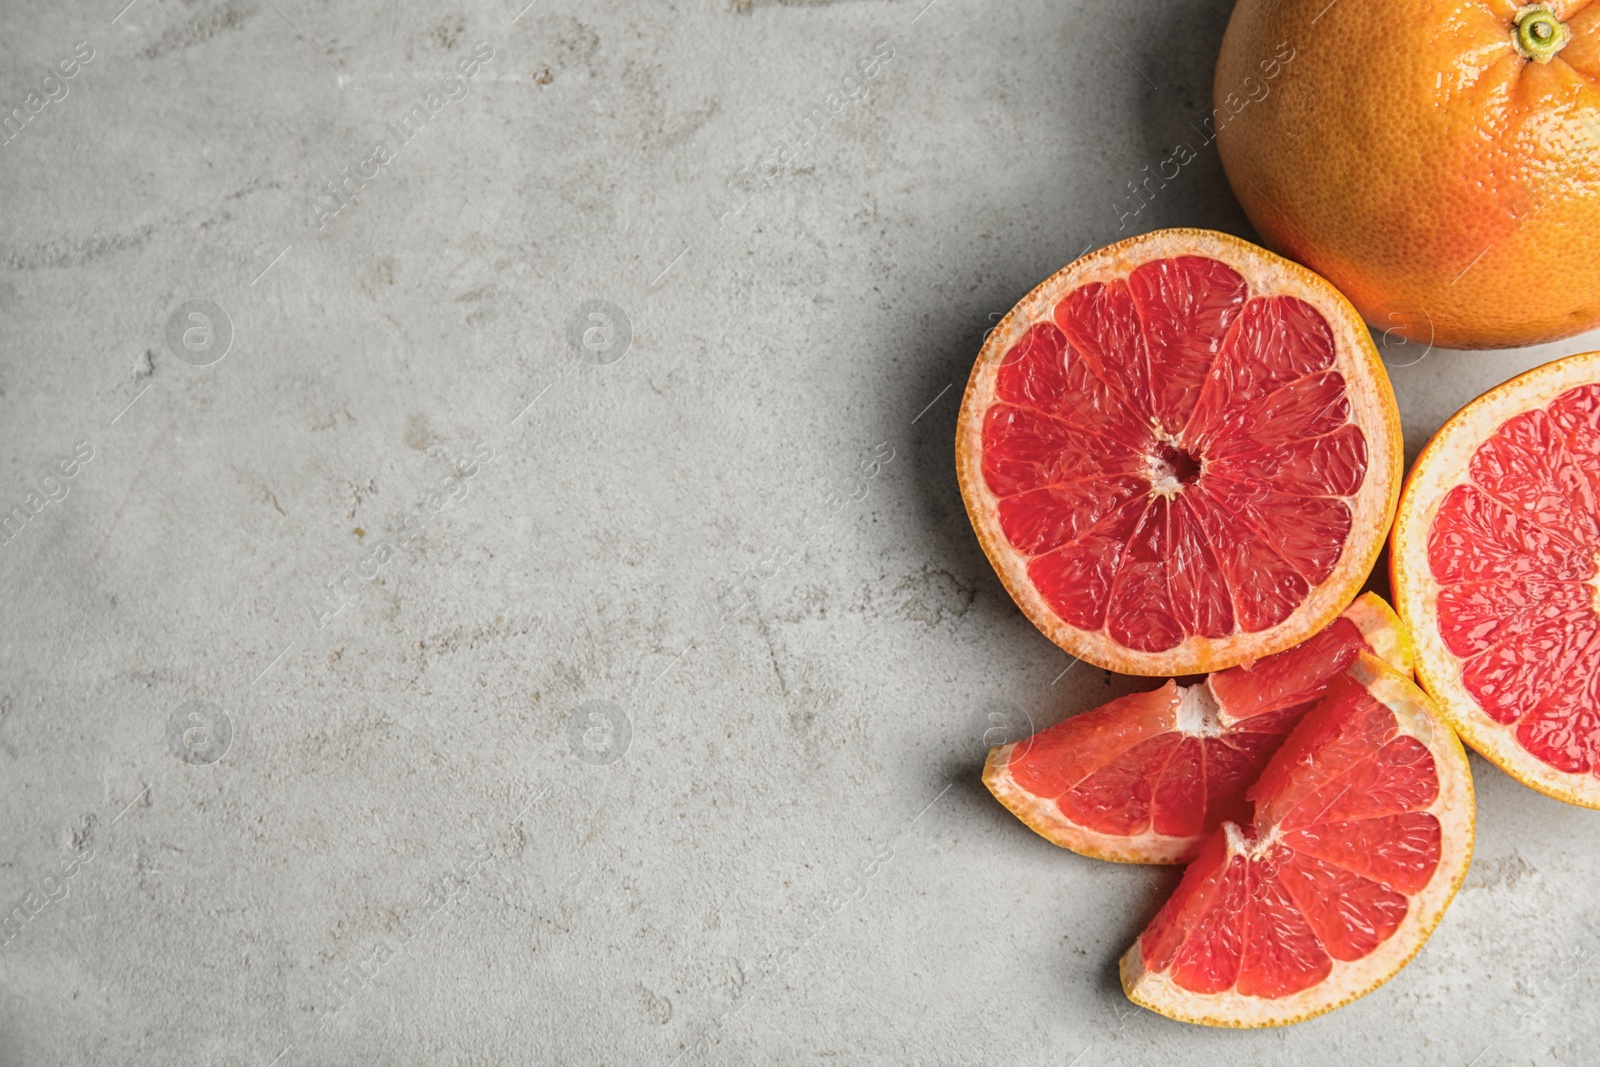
(1174, 454)
(1178, 762)
(1516, 550)
(1339, 842)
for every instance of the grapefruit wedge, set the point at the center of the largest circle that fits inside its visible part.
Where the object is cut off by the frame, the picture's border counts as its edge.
(1180, 453)
(1146, 777)
(1362, 833)
(1496, 570)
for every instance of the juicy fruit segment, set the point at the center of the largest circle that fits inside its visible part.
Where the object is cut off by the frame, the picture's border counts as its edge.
(1496, 567)
(1268, 910)
(1362, 831)
(1174, 455)
(1145, 777)
(1180, 453)
(1516, 551)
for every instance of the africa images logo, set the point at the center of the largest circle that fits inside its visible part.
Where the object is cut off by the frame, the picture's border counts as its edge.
(1229, 107)
(53, 488)
(52, 89)
(337, 196)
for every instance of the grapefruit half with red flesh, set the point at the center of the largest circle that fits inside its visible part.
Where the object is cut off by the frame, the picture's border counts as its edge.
(1496, 569)
(1362, 833)
(1180, 453)
(1146, 777)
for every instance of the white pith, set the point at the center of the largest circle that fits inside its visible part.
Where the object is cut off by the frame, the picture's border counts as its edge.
(1240, 844)
(1162, 483)
(1199, 712)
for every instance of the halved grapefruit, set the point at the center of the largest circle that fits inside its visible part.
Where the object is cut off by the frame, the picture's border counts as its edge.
(1496, 570)
(1145, 778)
(1180, 453)
(1362, 833)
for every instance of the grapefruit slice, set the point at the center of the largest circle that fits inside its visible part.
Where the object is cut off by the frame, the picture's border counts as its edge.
(1362, 833)
(1145, 778)
(1180, 453)
(1494, 563)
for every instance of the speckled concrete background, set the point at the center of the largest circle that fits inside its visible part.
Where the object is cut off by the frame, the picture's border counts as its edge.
(529, 616)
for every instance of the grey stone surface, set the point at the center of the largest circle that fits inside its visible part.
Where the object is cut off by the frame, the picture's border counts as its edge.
(536, 676)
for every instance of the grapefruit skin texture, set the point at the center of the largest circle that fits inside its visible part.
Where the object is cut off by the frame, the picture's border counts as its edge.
(1443, 465)
(1118, 728)
(1452, 806)
(1449, 186)
(1371, 407)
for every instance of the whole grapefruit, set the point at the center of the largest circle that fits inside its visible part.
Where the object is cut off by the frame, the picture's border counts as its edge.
(1438, 162)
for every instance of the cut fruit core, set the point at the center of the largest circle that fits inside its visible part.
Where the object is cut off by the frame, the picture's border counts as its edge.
(1173, 468)
(1324, 872)
(1174, 455)
(1199, 714)
(1516, 552)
